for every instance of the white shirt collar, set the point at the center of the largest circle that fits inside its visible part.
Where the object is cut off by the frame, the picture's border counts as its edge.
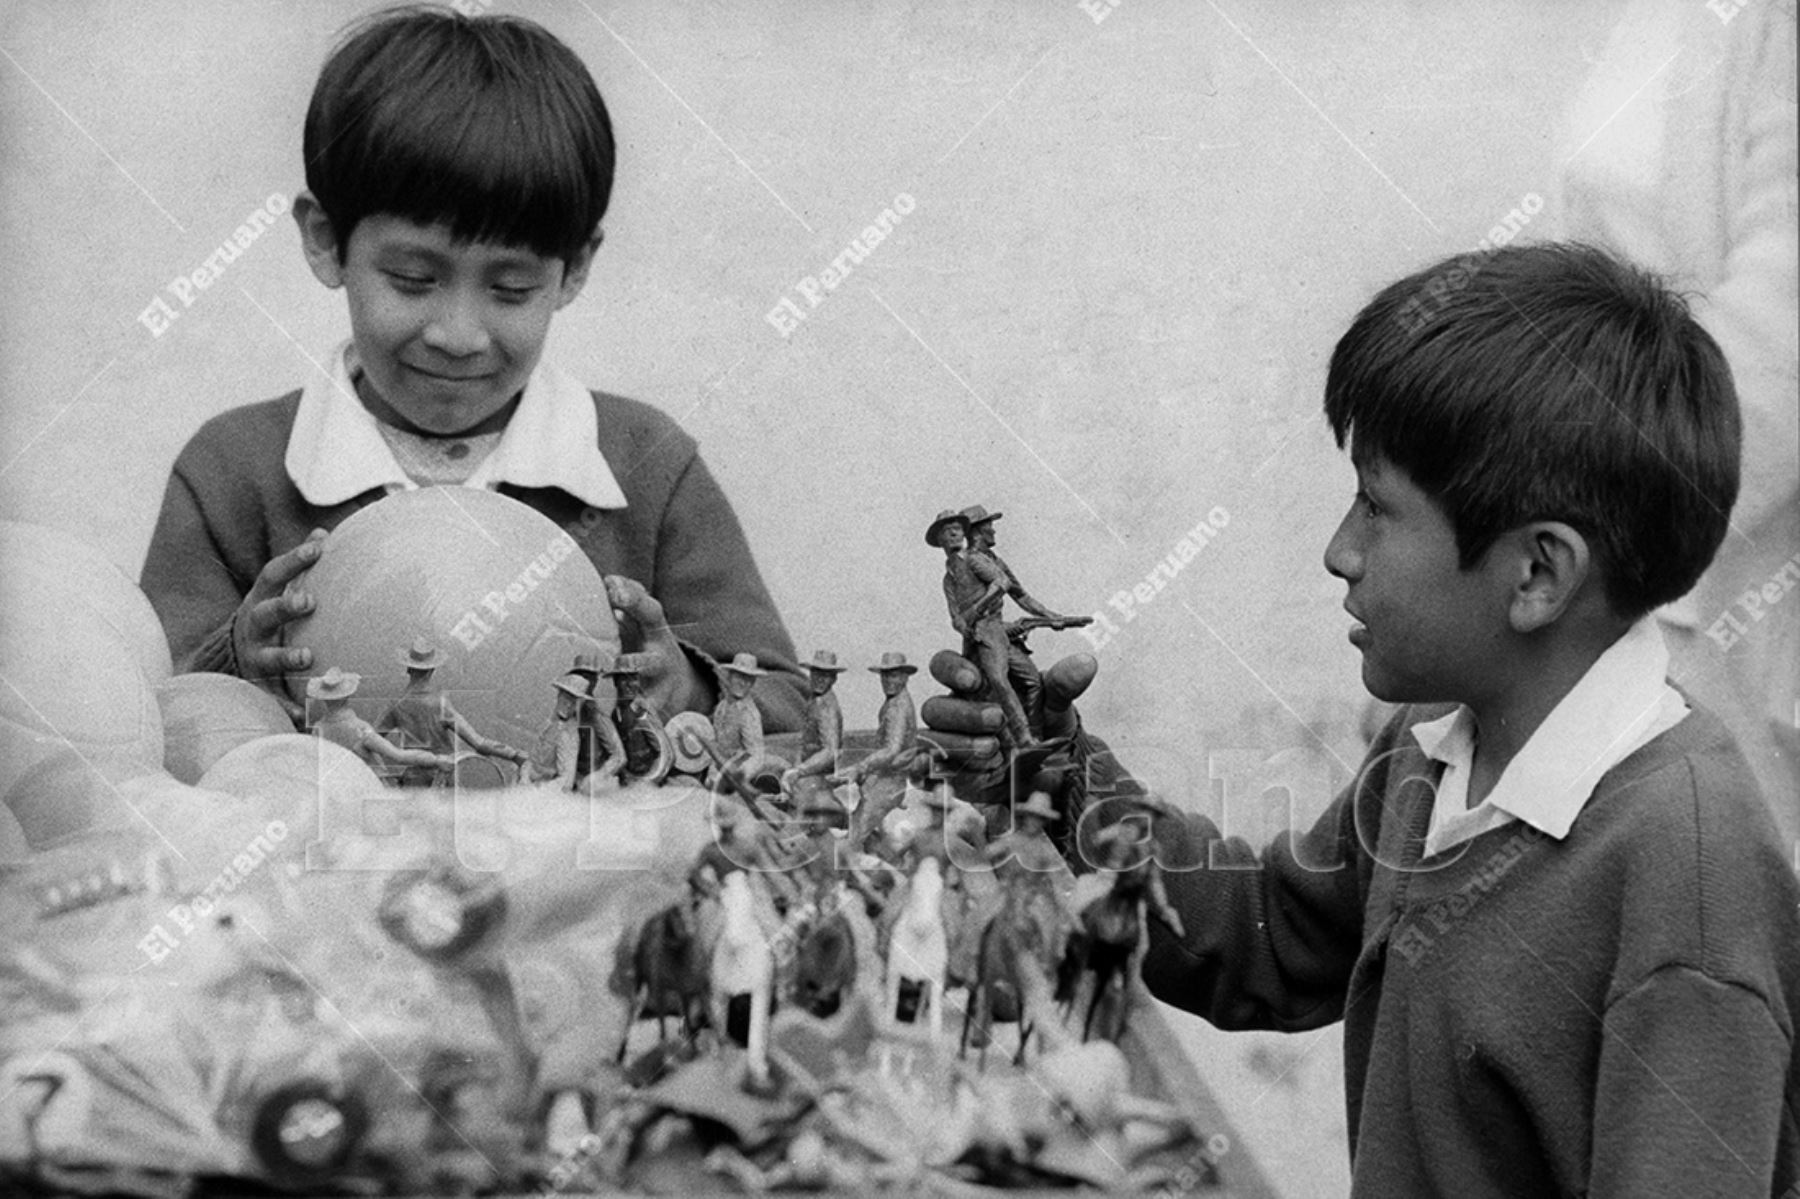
(1622, 702)
(336, 452)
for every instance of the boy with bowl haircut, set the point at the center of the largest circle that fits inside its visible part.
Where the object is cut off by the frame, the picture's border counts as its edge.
(1554, 917)
(457, 170)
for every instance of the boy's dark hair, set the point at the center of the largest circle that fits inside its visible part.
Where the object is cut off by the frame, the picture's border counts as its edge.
(1550, 382)
(487, 124)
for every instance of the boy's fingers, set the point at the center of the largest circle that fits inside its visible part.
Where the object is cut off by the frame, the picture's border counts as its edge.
(1067, 679)
(631, 600)
(285, 568)
(277, 660)
(953, 715)
(956, 672)
(270, 614)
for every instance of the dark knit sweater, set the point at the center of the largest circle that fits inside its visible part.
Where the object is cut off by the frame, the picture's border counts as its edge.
(1611, 1014)
(230, 507)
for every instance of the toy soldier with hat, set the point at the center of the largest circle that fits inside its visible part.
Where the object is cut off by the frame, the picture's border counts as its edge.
(648, 751)
(558, 753)
(974, 588)
(899, 756)
(737, 724)
(821, 732)
(423, 717)
(1025, 857)
(593, 745)
(340, 724)
(1021, 672)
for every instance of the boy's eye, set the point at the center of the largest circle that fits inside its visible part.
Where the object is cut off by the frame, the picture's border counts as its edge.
(407, 281)
(515, 295)
(1369, 506)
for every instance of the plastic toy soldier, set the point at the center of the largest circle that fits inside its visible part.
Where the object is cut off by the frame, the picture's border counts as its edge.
(974, 590)
(341, 725)
(1027, 858)
(558, 753)
(423, 717)
(593, 745)
(1125, 849)
(636, 719)
(737, 725)
(1021, 672)
(821, 732)
(899, 755)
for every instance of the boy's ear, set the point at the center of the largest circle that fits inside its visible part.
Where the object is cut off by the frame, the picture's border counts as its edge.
(575, 273)
(318, 240)
(1553, 566)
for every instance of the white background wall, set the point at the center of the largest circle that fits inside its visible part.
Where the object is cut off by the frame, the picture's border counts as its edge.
(1134, 244)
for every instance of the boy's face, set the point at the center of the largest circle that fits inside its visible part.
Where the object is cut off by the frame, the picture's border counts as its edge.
(1428, 630)
(447, 332)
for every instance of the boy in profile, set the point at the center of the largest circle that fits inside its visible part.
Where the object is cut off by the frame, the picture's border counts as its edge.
(1554, 915)
(457, 170)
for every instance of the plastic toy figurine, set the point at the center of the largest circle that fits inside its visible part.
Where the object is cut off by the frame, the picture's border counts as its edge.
(341, 724)
(742, 842)
(737, 725)
(899, 756)
(593, 748)
(822, 733)
(976, 582)
(973, 590)
(743, 976)
(649, 754)
(919, 952)
(557, 757)
(662, 971)
(1011, 984)
(1104, 948)
(424, 718)
(1029, 864)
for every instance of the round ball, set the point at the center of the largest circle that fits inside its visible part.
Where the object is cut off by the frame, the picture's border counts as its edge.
(292, 772)
(77, 714)
(205, 716)
(506, 595)
(84, 585)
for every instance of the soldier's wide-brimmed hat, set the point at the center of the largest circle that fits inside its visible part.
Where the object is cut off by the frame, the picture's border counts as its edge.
(975, 514)
(824, 659)
(335, 683)
(894, 660)
(587, 664)
(572, 684)
(421, 655)
(1037, 804)
(625, 664)
(743, 664)
(936, 529)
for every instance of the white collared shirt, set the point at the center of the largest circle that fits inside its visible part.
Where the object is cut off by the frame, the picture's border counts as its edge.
(1622, 702)
(336, 451)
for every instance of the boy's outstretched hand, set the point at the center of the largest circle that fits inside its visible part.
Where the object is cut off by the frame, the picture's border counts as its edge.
(670, 682)
(275, 599)
(964, 725)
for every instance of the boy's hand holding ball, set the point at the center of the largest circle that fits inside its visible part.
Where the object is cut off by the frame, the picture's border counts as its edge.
(273, 601)
(669, 681)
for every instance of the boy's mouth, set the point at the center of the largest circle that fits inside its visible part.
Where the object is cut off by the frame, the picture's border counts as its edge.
(1359, 632)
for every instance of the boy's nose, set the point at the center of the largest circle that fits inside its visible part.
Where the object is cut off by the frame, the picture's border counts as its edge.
(456, 328)
(1343, 559)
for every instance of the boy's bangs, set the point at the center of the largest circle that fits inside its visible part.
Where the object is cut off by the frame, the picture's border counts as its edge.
(487, 172)
(490, 127)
